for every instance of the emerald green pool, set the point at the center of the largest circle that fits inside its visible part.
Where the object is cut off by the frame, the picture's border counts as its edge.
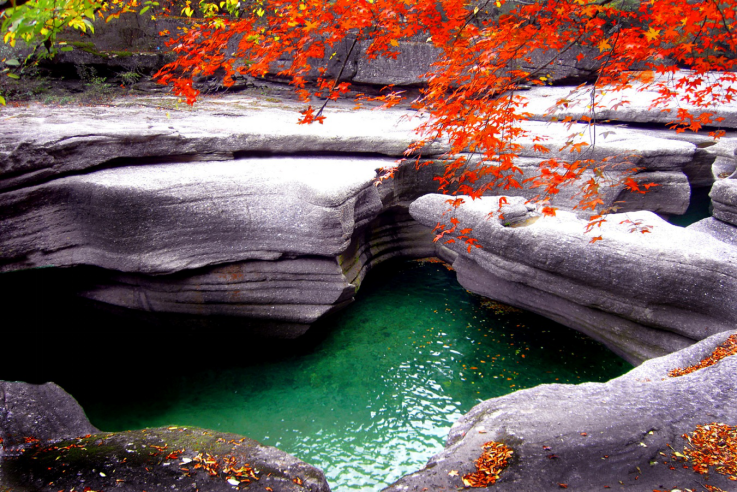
(369, 397)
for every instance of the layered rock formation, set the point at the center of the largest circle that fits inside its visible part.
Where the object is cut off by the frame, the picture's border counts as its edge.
(233, 211)
(189, 214)
(48, 445)
(643, 295)
(621, 435)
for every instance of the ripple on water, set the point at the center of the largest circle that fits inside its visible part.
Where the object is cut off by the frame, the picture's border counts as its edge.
(375, 398)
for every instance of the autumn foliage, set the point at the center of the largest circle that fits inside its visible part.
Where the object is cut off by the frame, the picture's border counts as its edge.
(713, 445)
(724, 349)
(488, 51)
(489, 466)
(472, 92)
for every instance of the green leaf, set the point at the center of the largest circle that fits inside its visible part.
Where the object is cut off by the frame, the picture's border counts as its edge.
(12, 62)
(67, 48)
(2, 100)
(144, 9)
(13, 76)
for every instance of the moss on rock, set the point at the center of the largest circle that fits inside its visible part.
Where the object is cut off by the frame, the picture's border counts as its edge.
(180, 458)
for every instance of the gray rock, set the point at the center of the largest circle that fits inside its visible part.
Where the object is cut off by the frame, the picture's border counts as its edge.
(67, 452)
(170, 217)
(643, 295)
(619, 153)
(617, 434)
(723, 167)
(38, 411)
(44, 143)
(717, 229)
(633, 104)
(408, 68)
(724, 199)
(180, 223)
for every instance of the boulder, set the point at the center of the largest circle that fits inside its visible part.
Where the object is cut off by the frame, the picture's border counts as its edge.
(622, 434)
(176, 220)
(643, 295)
(217, 213)
(164, 218)
(717, 229)
(49, 445)
(39, 412)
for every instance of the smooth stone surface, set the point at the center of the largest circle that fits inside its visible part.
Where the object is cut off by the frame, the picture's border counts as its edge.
(169, 217)
(70, 452)
(40, 411)
(724, 199)
(643, 295)
(38, 144)
(717, 229)
(588, 436)
(633, 104)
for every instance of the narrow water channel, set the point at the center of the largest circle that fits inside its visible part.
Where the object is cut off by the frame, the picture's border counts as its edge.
(369, 397)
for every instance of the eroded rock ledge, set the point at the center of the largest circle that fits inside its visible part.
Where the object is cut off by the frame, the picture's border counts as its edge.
(588, 436)
(643, 295)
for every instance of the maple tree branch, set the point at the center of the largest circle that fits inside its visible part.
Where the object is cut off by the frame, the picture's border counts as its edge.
(541, 67)
(337, 77)
(468, 20)
(724, 20)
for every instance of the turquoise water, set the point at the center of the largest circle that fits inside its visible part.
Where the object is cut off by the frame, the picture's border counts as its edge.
(370, 397)
(699, 207)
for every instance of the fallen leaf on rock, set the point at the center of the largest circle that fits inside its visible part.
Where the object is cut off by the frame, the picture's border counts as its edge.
(713, 445)
(725, 349)
(493, 460)
(453, 473)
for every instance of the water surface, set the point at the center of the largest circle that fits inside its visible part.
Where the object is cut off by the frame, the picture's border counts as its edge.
(368, 397)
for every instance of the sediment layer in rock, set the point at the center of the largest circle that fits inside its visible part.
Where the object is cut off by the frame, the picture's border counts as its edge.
(643, 295)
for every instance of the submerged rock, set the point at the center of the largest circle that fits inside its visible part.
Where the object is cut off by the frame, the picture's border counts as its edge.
(60, 450)
(622, 434)
(642, 295)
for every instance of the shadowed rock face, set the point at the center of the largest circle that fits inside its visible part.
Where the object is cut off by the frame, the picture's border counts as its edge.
(592, 435)
(48, 445)
(40, 411)
(189, 215)
(643, 295)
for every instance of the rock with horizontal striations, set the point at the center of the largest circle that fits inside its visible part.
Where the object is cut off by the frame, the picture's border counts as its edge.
(164, 218)
(643, 295)
(663, 165)
(724, 199)
(621, 435)
(189, 215)
(633, 104)
(43, 144)
(64, 451)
